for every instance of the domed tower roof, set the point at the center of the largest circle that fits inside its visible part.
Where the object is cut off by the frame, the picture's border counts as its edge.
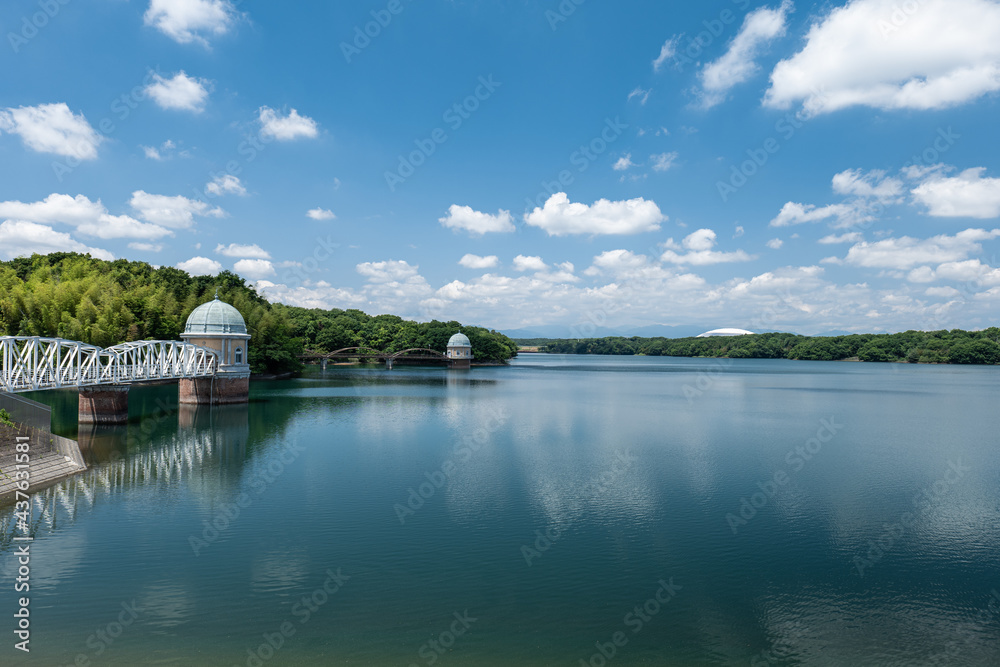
(459, 340)
(215, 317)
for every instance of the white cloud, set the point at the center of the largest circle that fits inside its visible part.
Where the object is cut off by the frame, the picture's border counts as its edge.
(175, 212)
(875, 183)
(89, 217)
(966, 271)
(966, 195)
(623, 163)
(52, 128)
(523, 263)
(943, 292)
(616, 262)
(200, 266)
(906, 252)
(181, 92)
(643, 95)
(775, 244)
(941, 55)
(254, 269)
(243, 251)
(151, 152)
(474, 222)
(185, 21)
(663, 161)
(560, 217)
(477, 262)
(320, 214)
(667, 52)
(286, 128)
(738, 64)
(849, 237)
(225, 184)
(699, 246)
(146, 247)
(794, 213)
(739, 232)
(20, 238)
(390, 271)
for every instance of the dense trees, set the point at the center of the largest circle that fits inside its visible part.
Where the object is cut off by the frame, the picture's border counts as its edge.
(955, 346)
(329, 330)
(102, 303)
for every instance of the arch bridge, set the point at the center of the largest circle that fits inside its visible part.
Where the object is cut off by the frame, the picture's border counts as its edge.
(419, 354)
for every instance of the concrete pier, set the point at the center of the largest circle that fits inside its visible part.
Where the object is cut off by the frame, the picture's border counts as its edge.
(104, 404)
(220, 390)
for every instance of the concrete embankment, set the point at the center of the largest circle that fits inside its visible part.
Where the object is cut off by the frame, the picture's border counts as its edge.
(50, 458)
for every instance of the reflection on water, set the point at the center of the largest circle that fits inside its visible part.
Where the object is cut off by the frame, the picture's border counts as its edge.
(547, 500)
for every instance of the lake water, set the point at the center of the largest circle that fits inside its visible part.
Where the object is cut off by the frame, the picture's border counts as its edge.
(609, 510)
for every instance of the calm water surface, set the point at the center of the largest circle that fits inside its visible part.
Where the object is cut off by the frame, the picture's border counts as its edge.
(784, 513)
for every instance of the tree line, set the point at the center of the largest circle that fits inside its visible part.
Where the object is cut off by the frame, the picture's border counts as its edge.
(74, 296)
(953, 346)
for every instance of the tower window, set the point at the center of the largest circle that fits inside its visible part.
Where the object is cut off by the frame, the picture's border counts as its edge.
(239, 355)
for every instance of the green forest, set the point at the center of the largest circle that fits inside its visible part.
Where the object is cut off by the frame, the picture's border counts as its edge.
(930, 347)
(74, 296)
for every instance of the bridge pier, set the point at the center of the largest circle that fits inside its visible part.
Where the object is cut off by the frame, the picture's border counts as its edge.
(388, 363)
(218, 390)
(323, 363)
(104, 404)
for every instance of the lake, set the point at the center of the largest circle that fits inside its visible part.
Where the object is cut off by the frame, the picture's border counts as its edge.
(564, 510)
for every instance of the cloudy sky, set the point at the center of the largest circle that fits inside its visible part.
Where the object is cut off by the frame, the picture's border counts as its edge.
(516, 163)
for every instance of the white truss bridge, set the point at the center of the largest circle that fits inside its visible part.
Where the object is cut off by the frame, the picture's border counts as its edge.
(33, 364)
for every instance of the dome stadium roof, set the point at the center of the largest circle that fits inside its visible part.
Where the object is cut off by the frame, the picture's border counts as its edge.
(725, 332)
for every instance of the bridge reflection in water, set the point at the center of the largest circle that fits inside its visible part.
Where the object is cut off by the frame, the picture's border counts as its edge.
(209, 448)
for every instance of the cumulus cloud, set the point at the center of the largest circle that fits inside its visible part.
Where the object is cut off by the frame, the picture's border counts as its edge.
(254, 269)
(286, 128)
(739, 63)
(906, 252)
(477, 262)
(523, 263)
(180, 92)
(390, 271)
(20, 238)
(848, 237)
(244, 251)
(474, 222)
(200, 266)
(89, 217)
(940, 55)
(775, 244)
(623, 163)
(967, 195)
(699, 246)
(616, 262)
(175, 212)
(794, 213)
(52, 128)
(320, 214)
(186, 21)
(227, 184)
(560, 217)
(875, 183)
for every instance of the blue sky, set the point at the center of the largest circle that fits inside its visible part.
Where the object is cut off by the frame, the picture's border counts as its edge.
(779, 165)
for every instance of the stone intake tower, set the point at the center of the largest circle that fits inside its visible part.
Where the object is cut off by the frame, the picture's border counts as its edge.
(220, 327)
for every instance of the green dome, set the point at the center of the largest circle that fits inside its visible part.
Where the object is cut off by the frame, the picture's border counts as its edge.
(459, 340)
(215, 317)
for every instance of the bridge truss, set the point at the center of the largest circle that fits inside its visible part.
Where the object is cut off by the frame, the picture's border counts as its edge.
(33, 363)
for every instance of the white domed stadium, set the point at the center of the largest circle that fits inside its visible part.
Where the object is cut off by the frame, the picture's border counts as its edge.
(725, 332)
